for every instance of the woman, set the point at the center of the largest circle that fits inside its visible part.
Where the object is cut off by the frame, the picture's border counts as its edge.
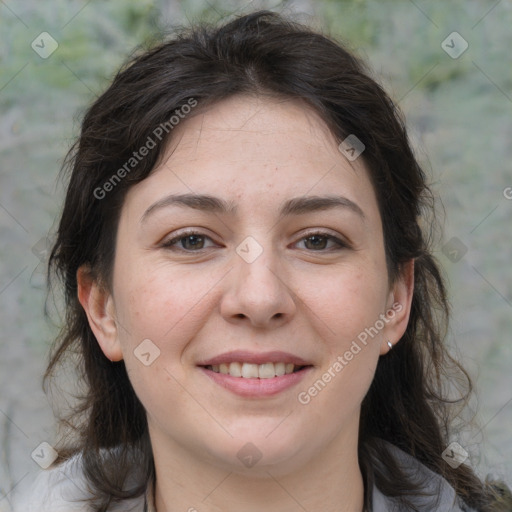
(250, 298)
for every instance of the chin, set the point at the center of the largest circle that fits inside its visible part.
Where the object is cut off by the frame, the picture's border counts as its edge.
(256, 453)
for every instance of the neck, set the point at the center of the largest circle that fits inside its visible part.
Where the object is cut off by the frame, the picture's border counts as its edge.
(331, 482)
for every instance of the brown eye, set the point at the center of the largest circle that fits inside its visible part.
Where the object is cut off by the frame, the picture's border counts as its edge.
(188, 242)
(193, 242)
(319, 242)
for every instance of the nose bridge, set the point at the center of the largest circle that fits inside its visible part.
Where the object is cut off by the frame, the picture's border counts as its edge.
(257, 288)
(257, 266)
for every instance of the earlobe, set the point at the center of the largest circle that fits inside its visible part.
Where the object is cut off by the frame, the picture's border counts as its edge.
(399, 307)
(99, 308)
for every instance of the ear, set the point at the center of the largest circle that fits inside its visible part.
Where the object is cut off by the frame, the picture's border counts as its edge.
(398, 307)
(99, 308)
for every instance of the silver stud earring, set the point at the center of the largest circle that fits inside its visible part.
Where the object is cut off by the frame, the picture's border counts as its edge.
(390, 345)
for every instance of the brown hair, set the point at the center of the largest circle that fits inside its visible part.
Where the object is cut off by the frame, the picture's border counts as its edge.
(259, 53)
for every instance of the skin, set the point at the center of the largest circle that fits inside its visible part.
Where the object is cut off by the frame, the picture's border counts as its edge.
(306, 299)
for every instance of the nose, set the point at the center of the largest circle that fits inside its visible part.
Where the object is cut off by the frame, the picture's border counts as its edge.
(258, 293)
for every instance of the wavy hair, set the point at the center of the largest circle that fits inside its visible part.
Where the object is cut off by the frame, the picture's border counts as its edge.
(262, 53)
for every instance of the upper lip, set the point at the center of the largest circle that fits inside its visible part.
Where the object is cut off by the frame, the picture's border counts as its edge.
(244, 356)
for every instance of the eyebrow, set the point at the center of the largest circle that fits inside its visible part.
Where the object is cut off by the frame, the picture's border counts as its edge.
(295, 206)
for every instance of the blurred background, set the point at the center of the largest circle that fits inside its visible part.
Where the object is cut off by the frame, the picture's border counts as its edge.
(448, 66)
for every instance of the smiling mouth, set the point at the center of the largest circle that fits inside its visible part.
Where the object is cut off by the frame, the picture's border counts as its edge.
(255, 371)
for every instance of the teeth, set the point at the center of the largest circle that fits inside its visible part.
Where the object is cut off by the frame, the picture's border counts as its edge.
(254, 371)
(235, 369)
(280, 369)
(249, 371)
(266, 371)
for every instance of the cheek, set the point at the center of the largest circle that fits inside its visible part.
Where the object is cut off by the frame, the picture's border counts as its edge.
(352, 351)
(157, 303)
(345, 389)
(348, 301)
(348, 305)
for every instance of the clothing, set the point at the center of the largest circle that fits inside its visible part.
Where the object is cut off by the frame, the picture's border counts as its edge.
(63, 488)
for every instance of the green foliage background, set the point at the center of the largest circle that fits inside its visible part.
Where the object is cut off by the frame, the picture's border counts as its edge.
(459, 113)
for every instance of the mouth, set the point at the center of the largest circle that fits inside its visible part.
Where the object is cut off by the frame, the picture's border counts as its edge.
(253, 375)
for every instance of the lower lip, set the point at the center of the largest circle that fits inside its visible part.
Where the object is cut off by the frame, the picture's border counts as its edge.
(257, 388)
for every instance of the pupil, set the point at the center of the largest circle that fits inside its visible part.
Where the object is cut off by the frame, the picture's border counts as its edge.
(316, 239)
(193, 239)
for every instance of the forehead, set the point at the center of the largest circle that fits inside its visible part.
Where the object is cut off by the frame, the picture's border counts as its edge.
(254, 120)
(259, 151)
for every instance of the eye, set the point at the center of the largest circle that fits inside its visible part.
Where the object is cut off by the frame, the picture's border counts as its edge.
(318, 241)
(190, 241)
(194, 241)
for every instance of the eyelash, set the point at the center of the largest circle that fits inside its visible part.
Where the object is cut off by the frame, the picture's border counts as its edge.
(169, 244)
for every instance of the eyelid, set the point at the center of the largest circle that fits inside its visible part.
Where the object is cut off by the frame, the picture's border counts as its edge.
(186, 232)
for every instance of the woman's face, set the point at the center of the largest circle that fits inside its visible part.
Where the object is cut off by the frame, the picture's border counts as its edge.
(286, 266)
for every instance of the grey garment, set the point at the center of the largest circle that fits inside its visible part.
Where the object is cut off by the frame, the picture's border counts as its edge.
(439, 495)
(63, 489)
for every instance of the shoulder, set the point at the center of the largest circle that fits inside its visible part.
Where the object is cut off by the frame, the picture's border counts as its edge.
(61, 487)
(437, 494)
(64, 488)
